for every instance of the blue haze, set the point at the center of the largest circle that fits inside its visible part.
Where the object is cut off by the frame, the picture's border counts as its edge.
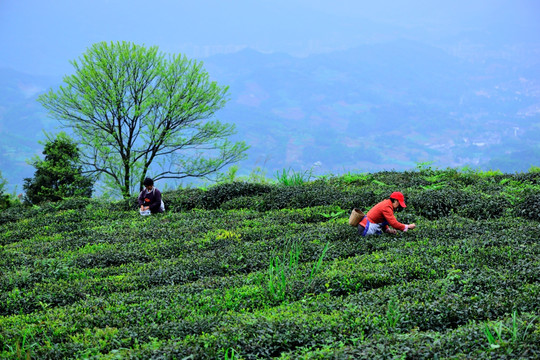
(312, 82)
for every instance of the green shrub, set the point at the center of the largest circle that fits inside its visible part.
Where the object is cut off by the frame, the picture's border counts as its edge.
(529, 206)
(221, 193)
(59, 175)
(243, 202)
(529, 177)
(85, 278)
(479, 206)
(214, 197)
(434, 204)
(313, 194)
(183, 200)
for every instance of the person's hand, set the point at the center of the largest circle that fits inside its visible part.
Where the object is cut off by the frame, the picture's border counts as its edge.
(412, 226)
(391, 231)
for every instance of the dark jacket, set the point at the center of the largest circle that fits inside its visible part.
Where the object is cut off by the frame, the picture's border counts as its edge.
(152, 199)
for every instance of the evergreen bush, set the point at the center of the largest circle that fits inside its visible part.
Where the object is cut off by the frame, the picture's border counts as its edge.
(59, 175)
(83, 278)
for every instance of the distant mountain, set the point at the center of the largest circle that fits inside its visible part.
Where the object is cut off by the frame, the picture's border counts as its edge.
(22, 122)
(374, 107)
(382, 106)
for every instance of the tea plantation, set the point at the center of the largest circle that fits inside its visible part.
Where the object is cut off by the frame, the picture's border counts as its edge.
(256, 271)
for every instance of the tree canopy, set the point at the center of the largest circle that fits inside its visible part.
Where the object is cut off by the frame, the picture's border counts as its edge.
(138, 112)
(59, 175)
(4, 198)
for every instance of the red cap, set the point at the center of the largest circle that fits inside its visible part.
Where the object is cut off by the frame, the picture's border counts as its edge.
(399, 197)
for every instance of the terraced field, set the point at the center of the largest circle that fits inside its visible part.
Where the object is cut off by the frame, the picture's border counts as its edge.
(256, 271)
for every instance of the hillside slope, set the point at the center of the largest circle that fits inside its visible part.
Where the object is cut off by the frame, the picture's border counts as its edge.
(255, 271)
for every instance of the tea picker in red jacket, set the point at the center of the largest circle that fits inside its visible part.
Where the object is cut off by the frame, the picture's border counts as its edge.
(381, 216)
(149, 200)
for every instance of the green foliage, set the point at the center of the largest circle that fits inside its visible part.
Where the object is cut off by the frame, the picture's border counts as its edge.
(437, 203)
(4, 198)
(59, 175)
(333, 214)
(281, 270)
(284, 270)
(221, 193)
(228, 177)
(3, 183)
(257, 271)
(357, 179)
(257, 175)
(529, 206)
(499, 334)
(136, 111)
(290, 177)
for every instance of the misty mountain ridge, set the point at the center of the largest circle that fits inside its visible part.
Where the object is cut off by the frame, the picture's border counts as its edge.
(383, 106)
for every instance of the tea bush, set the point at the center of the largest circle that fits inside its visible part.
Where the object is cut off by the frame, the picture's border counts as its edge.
(480, 206)
(242, 202)
(256, 271)
(529, 207)
(434, 204)
(219, 194)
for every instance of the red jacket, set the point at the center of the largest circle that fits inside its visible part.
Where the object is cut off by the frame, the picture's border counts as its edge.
(383, 211)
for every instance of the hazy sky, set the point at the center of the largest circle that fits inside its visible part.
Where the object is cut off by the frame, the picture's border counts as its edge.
(41, 37)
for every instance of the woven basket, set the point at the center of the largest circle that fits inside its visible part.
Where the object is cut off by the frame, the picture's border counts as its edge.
(356, 216)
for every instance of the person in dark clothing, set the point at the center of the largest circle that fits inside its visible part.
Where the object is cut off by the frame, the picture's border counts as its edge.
(149, 200)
